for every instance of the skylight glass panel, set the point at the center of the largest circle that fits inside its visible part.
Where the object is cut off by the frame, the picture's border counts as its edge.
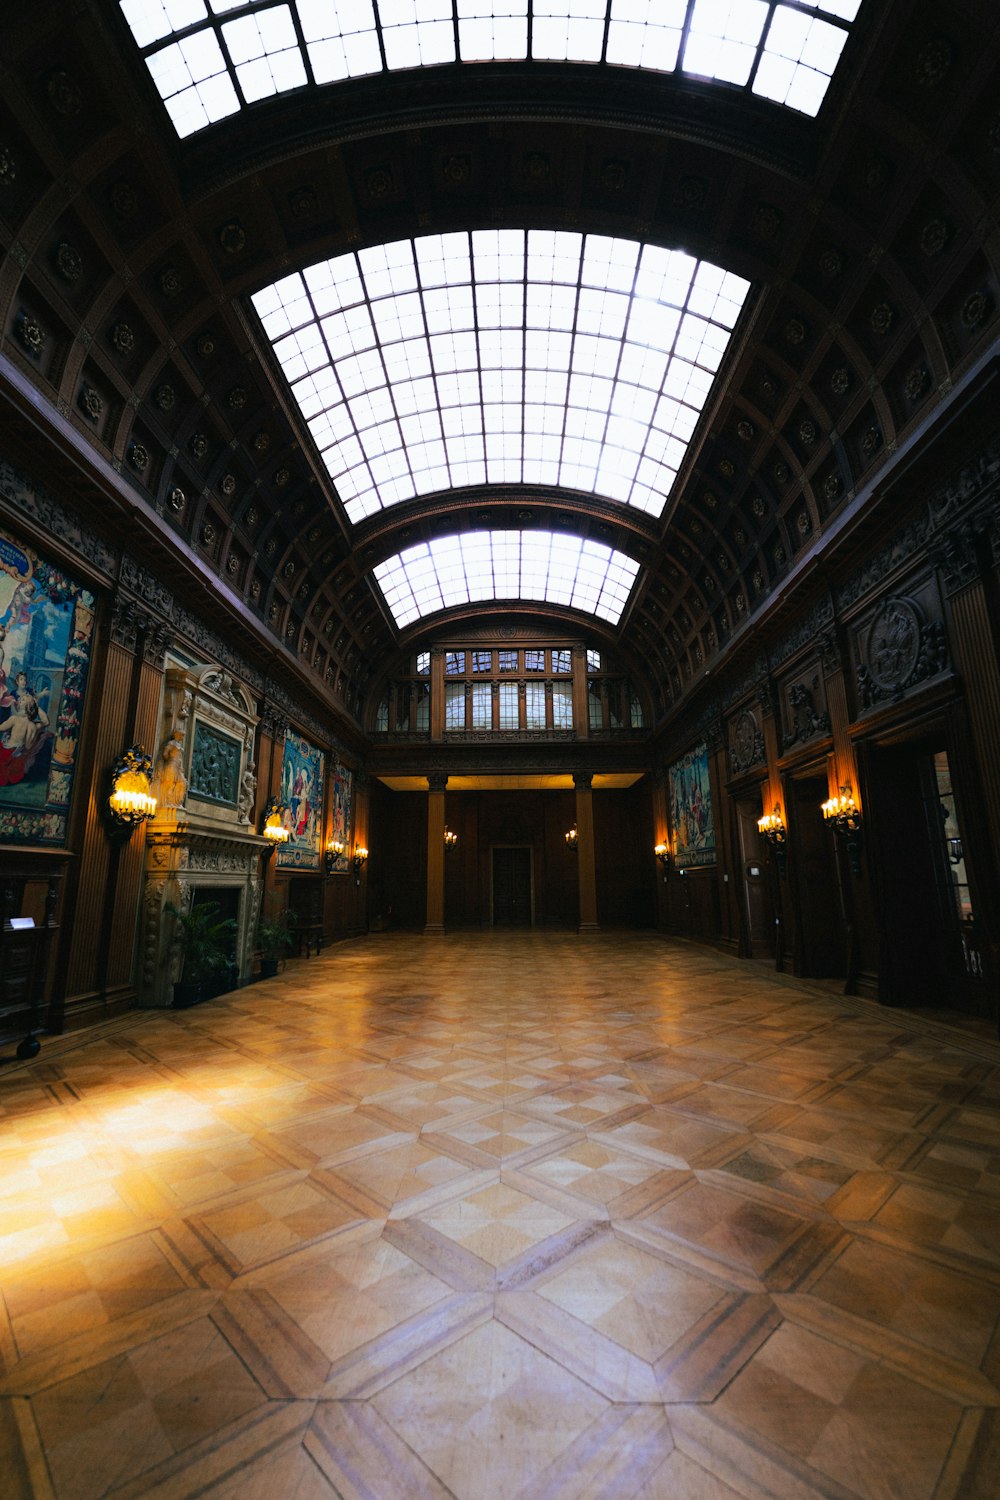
(646, 33)
(492, 29)
(417, 33)
(150, 20)
(723, 38)
(504, 565)
(193, 82)
(341, 38)
(265, 53)
(800, 54)
(568, 29)
(783, 50)
(444, 362)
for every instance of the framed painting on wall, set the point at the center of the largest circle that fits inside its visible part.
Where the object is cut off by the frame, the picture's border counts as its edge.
(46, 632)
(302, 798)
(691, 809)
(341, 808)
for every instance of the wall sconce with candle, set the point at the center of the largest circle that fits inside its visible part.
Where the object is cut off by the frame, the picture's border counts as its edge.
(272, 826)
(572, 839)
(844, 816)
(360, 855)
(662, 852)
(131, 801)
(333, 854)
(771, 828)
(450, 840)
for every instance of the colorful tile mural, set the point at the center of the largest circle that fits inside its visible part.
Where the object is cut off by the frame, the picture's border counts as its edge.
(691, 809)
(302, 796)
(46, 628)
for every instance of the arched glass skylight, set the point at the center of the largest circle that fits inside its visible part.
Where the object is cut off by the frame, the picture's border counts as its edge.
(208, 58)
(502, 357)
(506, 565)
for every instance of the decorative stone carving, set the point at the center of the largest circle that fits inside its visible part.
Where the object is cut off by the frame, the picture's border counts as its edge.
(804, 719)
(31, 333)
(974, 309)
(248, 794)
(831, 263)
(123, 338)
(901, 649)
(127, 619)
(232, 237)
(123, 199)
(172, 783)
(916, 383)
(933, 62)
(91, 403)
(64, 94)
(68, 262)
(746, 742)
(882, 318)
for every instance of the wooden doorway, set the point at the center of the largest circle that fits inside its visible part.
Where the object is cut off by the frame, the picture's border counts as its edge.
(821, 937)
(512, 903)
(930, 952)
(758, 902)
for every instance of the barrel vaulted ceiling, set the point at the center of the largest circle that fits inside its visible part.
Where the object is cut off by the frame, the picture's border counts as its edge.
(140, 258)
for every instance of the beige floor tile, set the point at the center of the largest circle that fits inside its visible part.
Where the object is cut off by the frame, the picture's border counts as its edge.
(641, 1223)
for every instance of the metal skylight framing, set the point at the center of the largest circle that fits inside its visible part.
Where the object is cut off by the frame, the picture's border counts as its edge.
(502, 357)
(208, 58)
(477, 566)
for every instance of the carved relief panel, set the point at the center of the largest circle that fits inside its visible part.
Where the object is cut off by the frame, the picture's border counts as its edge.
(804, 715)
(899, 644)
(746, 741)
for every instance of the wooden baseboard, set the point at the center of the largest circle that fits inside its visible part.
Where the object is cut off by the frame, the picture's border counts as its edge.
(88, 1009)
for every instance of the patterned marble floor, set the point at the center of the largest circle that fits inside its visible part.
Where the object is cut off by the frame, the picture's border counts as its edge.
(486, 1217)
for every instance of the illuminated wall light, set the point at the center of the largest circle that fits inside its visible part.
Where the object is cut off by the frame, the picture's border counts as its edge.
(131, 801)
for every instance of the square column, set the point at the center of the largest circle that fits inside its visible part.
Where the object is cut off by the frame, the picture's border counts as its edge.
(587, 867)
(434, 924)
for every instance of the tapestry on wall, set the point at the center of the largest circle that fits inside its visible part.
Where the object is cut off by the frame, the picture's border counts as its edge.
(341, 801)
(46, 627)
(302, 796)
(691, 809)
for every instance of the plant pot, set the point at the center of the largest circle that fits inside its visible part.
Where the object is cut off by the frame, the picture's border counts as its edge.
(269, 967)
(186, 994)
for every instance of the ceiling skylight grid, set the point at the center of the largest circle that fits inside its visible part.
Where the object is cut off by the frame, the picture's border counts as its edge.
(502, 357)
(479, 566)
(208, 58)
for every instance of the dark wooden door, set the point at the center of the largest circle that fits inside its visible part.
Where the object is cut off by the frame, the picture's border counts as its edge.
(758, 906)
(820, 936)
(511, 887)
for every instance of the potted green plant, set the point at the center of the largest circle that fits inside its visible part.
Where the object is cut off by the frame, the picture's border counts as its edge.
(274, 939)
(206, 942)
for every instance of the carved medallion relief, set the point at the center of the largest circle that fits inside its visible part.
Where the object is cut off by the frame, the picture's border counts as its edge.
(898, 646)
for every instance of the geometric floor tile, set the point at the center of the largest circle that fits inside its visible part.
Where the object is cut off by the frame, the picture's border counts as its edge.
(525, 1216)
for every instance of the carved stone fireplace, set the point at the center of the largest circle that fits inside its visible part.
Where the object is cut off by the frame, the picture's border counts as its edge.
(202, 838)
